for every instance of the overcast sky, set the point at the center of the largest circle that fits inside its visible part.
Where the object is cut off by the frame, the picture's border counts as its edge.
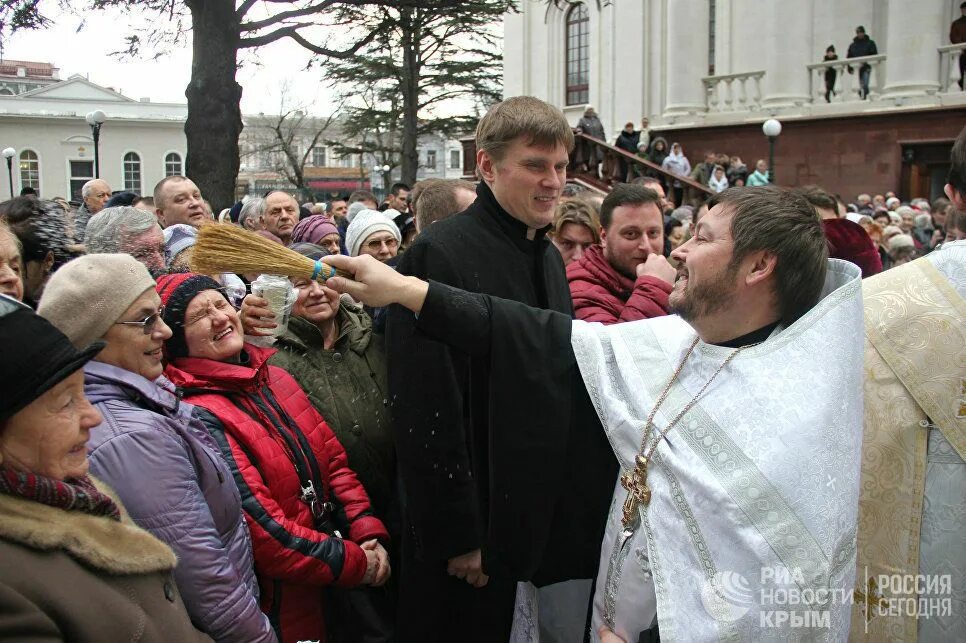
(83, 46)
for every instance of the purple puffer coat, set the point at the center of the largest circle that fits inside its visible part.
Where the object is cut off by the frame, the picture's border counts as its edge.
(174, 482)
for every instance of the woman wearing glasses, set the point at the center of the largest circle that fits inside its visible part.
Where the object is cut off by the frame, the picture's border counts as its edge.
(310, 518)
(152, 448)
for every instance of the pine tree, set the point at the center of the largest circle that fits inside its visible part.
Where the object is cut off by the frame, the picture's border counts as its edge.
(397, 86)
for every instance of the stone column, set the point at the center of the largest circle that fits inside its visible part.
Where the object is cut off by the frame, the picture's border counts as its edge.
(787, 49)
(912, 62)
(687, 56)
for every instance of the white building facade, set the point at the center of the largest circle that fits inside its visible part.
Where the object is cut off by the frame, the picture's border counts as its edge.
(140, 143)
(685, 63)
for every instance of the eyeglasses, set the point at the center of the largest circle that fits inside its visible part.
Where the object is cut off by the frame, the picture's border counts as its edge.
(148, 323)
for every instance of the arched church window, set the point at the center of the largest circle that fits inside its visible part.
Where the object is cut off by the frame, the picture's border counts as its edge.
(578, 55)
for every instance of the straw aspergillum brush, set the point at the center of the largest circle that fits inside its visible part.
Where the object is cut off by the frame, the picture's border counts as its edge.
(224, 247)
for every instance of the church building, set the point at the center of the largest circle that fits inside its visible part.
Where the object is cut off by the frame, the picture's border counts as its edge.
(708, 73)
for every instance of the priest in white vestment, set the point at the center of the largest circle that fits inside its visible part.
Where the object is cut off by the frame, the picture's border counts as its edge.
(737, 426)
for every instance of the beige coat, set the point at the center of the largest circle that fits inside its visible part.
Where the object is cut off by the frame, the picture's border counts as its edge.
(70, 576)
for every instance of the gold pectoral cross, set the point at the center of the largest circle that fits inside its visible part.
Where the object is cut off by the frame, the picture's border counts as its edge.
(638, 492)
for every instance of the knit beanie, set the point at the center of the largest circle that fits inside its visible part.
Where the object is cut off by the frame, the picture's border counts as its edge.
(901, 241)
(177, 291)
(235, 211)
(177, 238)
(87, 295)
(365, 224)
(312, 229)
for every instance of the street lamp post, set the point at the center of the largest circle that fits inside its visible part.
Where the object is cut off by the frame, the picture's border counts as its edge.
(771, 128)
(8, 154)
(382, 170)
(95, 119)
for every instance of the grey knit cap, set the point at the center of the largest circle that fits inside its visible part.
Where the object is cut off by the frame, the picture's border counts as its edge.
(87, 295)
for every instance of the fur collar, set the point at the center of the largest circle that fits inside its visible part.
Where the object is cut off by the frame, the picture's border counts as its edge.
(105, 544)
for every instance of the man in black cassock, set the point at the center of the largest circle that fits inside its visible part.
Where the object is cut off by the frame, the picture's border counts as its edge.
(484, 509)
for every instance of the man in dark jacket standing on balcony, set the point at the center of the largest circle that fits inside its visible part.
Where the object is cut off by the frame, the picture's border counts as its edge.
(626, 277)
(861, 46)
(487, 501)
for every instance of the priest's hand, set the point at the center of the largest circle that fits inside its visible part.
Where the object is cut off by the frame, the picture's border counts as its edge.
(256, 316)
(469, 567)
(606, 636)
(657, 266)
(376, 284)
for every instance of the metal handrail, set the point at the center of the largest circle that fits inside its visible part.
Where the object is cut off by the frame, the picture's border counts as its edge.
(642, 161)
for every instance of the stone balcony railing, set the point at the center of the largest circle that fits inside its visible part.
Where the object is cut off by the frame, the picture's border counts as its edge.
(734, 92)
(846, 88)
(949, 67)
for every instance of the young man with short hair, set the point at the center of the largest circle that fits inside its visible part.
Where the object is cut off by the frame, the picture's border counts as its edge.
(626, 277)
(398, 198)
(471, 532)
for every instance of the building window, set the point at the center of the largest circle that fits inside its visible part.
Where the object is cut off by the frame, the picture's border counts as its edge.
(711, 29)
(172, 165)
(578, 55)
(29, 170)
(132, 172)
(80, 173)
(318, 156)
(454, 159)
(431, 160)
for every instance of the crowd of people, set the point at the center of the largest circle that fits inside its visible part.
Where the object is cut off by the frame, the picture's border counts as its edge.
(717, 172)
(176, 453)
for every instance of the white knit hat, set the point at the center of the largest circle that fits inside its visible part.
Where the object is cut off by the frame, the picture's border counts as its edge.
(86, 296)
(363, 225)
(901, 241)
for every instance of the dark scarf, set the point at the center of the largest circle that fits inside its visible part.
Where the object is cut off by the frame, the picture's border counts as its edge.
(77, 494)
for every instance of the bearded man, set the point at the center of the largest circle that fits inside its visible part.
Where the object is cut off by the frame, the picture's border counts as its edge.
(736, 422)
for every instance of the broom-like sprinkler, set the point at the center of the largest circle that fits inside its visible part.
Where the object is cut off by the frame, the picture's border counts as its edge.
(223, 247)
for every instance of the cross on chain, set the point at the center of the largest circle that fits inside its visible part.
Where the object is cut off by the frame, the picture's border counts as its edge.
(635, 481)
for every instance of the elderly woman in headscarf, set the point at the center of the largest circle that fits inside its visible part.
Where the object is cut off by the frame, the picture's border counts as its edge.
(310, 519)
(73, 566)
(589, 155)
(319, 230)
(152, 448)
(45, 240)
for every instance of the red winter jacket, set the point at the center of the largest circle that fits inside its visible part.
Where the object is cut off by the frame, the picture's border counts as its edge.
(263, 411)
(601, 294)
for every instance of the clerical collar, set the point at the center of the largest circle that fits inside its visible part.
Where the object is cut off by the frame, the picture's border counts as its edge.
(515, 228)
(754, 337)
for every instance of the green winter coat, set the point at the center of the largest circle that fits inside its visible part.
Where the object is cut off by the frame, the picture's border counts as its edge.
(347, 385)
